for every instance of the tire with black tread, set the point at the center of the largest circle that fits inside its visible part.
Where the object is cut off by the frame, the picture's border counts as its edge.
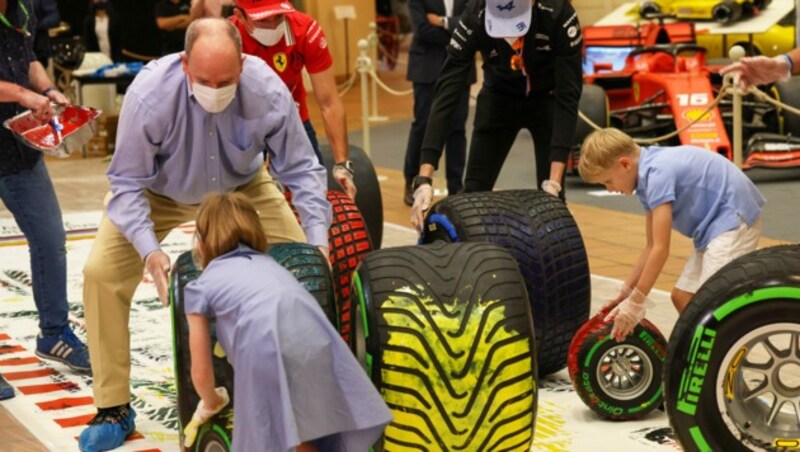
(449, 341)
(788, 92)
(730, 352)
(212, 441)
(541, 234)
(304, 261)
(619, 381)
(726, 12)
(368, 196)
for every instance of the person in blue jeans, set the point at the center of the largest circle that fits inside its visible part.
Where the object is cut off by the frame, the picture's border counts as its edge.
(27, 191)
(297, 386)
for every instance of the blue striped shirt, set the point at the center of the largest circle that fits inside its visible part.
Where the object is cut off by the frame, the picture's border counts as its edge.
(168, 144)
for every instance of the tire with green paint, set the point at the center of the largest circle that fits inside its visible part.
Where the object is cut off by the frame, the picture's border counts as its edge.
(541, 234)
(449, 342)
(213, 440)
(732, 380)
(619, 381)
(304, 261)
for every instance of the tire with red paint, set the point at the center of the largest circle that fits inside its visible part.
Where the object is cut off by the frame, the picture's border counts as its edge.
(348, 242)
(619, 381)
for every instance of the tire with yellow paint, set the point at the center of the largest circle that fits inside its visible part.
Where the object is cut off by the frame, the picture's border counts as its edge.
(449, 344)
(541, 234)
(732, 379)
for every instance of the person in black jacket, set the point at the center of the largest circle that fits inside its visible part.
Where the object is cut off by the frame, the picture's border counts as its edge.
(433, 22)
(532, 79)
(101, 30)
(47, 17)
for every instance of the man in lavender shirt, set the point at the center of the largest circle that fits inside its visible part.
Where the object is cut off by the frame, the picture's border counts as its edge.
(191, 124)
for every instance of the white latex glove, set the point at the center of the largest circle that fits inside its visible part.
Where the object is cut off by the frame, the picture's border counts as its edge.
(423, 196)
(202, 414)
(552, 187)
(627, 315)
(758, 70)
(157, 263)
(624, 291)
(345, 179)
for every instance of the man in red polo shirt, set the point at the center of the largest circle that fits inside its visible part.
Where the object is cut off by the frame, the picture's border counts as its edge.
(288, 40)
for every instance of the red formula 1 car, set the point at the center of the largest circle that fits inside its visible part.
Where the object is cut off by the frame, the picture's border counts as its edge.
(654, 79)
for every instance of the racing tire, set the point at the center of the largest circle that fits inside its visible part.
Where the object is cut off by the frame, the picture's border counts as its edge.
(733, 360)
(304, 261)
(213, 439)
(540, 233)
(788, 92)
(649, 9)
(368, 194)
(594, 104)
(726, 12)
(449, 341)
(619, 381)
(348, 242)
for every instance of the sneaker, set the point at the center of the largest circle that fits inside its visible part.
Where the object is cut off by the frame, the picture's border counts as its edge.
(408, 195)
(6, 390)
(108, 429)
(65, 348)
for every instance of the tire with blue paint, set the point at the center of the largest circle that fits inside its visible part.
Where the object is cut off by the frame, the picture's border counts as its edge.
(733, 360)
(304, 261)
(449, 344)
(541, 234)
(619, 381)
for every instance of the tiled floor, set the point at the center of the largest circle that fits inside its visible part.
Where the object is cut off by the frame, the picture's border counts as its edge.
(613, 239)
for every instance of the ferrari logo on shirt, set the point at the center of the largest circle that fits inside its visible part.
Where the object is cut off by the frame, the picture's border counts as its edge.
(279, 60)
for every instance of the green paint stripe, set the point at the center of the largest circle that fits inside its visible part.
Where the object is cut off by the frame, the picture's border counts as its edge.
(594, 349)
(758, 295)
(362, 303)
(649, 403)
(699, 440)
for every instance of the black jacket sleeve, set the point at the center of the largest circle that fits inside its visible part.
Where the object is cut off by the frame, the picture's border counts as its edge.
(458, 66)
(424, 30)
(568, 81)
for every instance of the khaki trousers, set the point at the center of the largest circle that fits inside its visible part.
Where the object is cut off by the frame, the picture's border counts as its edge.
(114, 270)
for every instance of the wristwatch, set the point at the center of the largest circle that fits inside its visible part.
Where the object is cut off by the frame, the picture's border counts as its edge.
(348, 165)
(420, 180)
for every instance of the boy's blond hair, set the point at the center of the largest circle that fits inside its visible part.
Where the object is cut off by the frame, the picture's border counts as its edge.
(224, 220)
(600, 151)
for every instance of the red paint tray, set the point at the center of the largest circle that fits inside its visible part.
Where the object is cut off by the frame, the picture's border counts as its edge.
(78, 128)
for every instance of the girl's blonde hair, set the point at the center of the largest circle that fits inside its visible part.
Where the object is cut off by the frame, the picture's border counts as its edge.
(224, 220)
(601, 149)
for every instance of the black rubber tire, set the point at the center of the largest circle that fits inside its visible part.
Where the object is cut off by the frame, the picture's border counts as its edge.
(348, 242)
(212, 441)
(542, 236)
(449, 346)
(649, 8)
(640, 356)
(304, 261)
(712, 358)
(368, 196)
(788, 92)
(593, 104)
(726, 12)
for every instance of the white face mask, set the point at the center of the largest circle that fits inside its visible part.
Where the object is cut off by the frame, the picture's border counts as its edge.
(214, 100)
(269, 37)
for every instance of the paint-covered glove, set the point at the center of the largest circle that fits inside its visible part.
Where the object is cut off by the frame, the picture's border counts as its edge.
(552, 187)
(202, 415)
(423, 196)
(758, 70)
(344, 176)
(627, 315)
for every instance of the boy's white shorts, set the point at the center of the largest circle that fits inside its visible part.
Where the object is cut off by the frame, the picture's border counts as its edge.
(721, 250)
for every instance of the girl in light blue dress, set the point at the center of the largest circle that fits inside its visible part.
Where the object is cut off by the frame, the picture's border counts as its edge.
(297, 385)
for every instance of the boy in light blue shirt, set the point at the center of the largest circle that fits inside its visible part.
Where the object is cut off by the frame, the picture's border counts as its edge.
(699, 193)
